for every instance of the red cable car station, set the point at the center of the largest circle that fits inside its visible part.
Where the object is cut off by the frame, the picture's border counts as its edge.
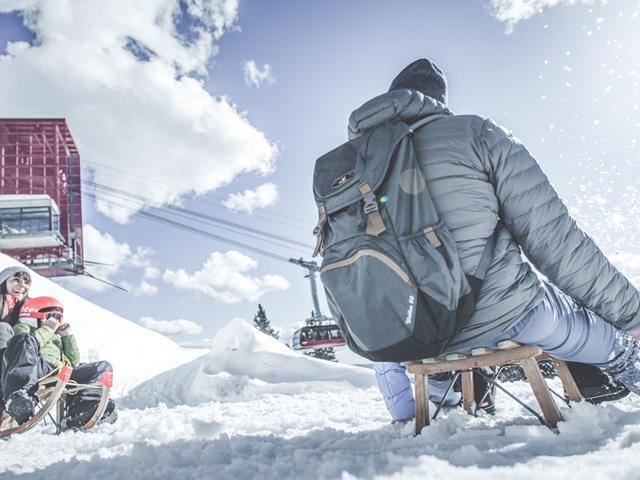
(40, 196)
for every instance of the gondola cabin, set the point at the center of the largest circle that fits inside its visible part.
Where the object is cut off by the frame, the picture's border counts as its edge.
(318, 336)
(40, 197)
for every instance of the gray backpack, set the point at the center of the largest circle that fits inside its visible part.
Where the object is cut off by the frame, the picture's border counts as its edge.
(390, 267)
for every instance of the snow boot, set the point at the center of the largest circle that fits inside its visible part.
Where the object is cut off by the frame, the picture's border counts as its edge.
(483, 392)
(511, 373)
(548, 369)
(110, 414)
(624, 363)
(595, 386)
(438, 385)
(515, 373)
(21, 406)
(80, 412)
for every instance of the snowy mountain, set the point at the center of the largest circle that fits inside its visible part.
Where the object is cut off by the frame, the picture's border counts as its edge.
(136, 353)
(242, 363)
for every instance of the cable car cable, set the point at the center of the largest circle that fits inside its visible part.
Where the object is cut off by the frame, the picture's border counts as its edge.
(136, 208)
(219, 204)
(195, 230)
(182, 226)
(90, 275)
(194, 213)
(155, 182)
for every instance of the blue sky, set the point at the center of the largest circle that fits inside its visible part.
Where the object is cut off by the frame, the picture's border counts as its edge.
(565, 79)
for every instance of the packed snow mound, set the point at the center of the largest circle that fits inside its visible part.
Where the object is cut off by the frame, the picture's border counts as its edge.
(244, 362)
(136, 353)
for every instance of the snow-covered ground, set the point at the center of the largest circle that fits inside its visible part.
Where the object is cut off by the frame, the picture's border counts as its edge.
(251, 408)
(242, 363)
(318, 430)
(136, 353)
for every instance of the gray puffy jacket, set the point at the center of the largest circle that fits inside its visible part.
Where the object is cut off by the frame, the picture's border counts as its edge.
(478, 172)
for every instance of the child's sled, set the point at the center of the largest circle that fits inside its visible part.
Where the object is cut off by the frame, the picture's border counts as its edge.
(52, 393)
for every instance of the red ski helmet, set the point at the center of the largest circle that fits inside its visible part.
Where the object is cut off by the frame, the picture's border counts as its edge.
(38, 307)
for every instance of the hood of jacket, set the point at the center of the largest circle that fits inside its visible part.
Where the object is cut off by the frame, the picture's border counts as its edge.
(406, 105)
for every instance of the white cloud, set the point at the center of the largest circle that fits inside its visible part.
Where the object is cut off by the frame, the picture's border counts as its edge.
(513, 11)
(171, 327)
(151, 273)
(130, 84)
(223, 277)
(109, 254)
(255, 76)
(145, 289)
(142, 258)
(111, 258)
(263, 196)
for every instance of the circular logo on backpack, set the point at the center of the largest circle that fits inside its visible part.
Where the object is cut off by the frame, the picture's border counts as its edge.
(412, 182)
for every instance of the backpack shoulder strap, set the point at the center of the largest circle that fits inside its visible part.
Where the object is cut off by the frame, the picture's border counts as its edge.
(475, 281)
(487, 255)
(423, 121)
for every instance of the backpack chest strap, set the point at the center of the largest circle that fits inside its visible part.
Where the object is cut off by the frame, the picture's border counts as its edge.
(375, 224)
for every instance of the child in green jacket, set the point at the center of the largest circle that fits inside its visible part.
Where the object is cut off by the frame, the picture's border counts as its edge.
(57, 345)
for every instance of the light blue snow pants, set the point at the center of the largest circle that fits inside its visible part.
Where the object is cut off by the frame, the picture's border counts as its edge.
(565, 330)
(395, 386)
(558, 325)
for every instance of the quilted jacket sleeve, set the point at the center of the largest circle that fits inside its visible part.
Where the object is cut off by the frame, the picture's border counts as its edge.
(71, 350)
(549, 236)
(43, 334)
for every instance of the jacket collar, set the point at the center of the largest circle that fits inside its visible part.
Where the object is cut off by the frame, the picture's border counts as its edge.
(406, 105)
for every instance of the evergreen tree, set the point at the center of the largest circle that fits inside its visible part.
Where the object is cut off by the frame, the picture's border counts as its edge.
(261, 322)
(323, 354)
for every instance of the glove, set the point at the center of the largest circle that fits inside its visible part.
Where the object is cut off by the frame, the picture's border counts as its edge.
(52, 322)
(64, 330)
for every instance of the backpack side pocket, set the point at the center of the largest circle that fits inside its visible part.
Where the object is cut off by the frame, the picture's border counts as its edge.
(375, 294)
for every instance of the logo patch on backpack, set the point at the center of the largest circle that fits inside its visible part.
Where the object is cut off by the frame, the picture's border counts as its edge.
(342, 179)
(409, 319)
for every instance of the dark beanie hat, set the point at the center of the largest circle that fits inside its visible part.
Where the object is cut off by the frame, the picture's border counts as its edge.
(425, 76)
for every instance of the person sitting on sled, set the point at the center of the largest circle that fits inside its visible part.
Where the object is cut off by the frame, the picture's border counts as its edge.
(484, 182)
(15, 283)
(42, 343)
